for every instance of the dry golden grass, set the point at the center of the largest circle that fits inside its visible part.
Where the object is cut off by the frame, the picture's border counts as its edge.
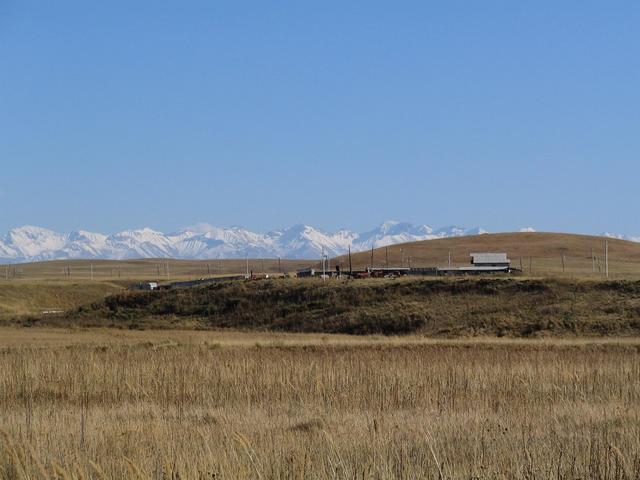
(104, 404)
(150, 269)
(26, 297)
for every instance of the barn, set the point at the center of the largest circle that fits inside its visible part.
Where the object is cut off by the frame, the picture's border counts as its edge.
(499, 260)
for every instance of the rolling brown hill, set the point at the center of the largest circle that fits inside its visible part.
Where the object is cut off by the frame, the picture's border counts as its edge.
(538, 253)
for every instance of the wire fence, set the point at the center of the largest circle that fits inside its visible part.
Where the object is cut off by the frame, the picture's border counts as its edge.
(169, 270)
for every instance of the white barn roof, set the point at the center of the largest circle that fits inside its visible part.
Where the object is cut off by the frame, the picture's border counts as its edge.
(483, 258)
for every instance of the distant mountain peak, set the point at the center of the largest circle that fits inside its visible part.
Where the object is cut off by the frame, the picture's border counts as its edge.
(203, 241)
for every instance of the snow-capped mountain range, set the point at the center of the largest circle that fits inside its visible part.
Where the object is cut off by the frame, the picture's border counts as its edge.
(203, 241)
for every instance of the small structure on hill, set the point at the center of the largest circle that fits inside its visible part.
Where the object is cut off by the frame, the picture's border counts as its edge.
(306, 272)
(145, 286)
(204, 281)
(481, 263)
(387, 272)
(490, 260)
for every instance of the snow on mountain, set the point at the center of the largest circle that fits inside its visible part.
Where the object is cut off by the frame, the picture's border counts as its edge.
(142, 243)
(203, 241)
(455, 231)
(83, 244)
(31, 242)
(392, 232)
(621, 237)
(474, 231)
(206, 241)
(303, 241)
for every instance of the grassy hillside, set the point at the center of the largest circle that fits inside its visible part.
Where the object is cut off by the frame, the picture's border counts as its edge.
(439, 307)
(19, 298)
(540, 253)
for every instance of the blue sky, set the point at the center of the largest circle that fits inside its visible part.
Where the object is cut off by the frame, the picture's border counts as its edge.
(119, 114)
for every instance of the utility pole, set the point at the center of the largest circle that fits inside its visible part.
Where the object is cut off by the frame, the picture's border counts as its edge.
(247, 259)
(401, 258)
(371, 257)
(323, 265)
(208, 270)
(449, 258)
(606, 258)
(350, 266)
(563, 263)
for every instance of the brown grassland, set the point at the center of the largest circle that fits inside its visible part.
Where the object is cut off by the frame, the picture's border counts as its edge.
(150, 269)
(533, 377)
(122, 404)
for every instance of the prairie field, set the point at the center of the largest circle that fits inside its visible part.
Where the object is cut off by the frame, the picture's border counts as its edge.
(103, 403)
(533, 376)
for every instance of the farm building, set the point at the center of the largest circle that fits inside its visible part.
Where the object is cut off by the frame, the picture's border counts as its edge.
(145, 286)
(490, 260)
(306, 272)
(481, 263)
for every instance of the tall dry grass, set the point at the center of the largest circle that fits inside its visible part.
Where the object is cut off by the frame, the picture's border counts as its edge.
(165, 410)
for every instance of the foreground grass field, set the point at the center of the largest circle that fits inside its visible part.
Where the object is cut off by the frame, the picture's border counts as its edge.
(564, 403)
(120, 404)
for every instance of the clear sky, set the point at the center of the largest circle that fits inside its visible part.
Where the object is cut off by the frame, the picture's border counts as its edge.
(502, 114)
